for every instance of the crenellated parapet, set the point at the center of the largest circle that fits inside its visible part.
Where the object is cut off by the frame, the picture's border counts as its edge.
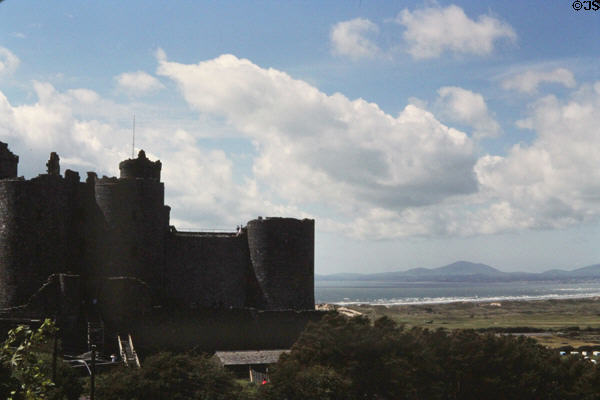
(140, 168)
(39, 233)
(136, 221)
(119, 227)
(53, 164)
(8, 162)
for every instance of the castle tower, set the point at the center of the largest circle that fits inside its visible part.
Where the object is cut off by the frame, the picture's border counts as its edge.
(282, 257)
(140, 168)
(8, 162)
(137, 221)
(35, 216)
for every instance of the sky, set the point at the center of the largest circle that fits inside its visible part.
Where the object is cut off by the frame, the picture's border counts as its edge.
(415, 133)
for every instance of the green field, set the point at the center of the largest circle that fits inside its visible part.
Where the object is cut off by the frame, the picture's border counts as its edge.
(574, 322)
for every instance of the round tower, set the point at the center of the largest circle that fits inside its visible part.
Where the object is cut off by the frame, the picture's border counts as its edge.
(136, 221)
(282, 257)
(140, 168)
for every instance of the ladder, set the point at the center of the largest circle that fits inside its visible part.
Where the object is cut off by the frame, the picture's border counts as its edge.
(95, 333)
(127, 352)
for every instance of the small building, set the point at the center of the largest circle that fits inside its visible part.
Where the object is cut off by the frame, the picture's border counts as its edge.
(255, 363)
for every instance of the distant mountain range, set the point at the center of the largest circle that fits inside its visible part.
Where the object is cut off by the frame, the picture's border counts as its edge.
(464, 271)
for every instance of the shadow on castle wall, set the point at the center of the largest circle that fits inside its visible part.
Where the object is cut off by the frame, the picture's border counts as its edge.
(103, 250)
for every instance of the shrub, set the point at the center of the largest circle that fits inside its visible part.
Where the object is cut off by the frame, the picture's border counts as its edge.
(169, 376)
(26, 367)
(354, 359)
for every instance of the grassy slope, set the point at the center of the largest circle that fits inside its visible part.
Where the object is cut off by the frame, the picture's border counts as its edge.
(551, 315)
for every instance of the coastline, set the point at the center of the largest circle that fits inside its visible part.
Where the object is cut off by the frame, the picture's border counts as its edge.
(547, 314)
(555, 323)
(441, 300)
(413, 293)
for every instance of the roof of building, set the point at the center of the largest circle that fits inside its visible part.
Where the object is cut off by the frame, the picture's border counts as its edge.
(249, 357)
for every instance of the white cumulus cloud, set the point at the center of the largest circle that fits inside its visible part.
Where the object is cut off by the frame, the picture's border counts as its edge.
(555, 181)
(434, 30)
(53, 122)
(8, 62)
(138, 83)
(357, 169)
(350, 38)
(201, 186)
(466, 107)
(314, 148)
(528, 81)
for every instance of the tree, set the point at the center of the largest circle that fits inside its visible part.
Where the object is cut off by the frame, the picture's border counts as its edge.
(291, 381)
(354, 359)
(26, 367)
(169, 376)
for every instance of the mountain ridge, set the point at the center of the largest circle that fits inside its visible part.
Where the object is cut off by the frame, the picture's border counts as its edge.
(465, 271)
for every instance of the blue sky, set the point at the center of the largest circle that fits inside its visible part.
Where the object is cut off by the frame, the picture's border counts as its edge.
(415, 133)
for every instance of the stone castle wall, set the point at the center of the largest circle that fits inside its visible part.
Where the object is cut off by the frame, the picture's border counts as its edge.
(208, 269)
(136, 228)
(119, 227)
(36, 235)
(282, 257)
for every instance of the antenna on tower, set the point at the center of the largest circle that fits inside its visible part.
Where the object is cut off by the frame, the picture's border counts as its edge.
(133, 138)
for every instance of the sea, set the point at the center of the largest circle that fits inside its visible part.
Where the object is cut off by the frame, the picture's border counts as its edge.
(402, 293)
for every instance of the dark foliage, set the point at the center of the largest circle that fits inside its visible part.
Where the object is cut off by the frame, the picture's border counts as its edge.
(342, 358)
(169, 376)
(26, 367)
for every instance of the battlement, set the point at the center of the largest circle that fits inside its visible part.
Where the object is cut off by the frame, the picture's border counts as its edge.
(107, 227)
(8, 162)
(140, 168)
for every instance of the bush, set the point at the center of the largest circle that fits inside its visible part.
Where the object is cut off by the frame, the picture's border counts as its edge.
(292, 382)
(169, 376)
(26, 367)
(354, 359)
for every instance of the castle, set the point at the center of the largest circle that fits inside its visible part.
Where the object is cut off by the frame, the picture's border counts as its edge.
(117, 230)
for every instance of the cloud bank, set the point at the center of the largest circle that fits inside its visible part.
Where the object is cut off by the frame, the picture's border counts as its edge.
(315, 147)
(356, 168)
(200, 182)
(555, 181)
